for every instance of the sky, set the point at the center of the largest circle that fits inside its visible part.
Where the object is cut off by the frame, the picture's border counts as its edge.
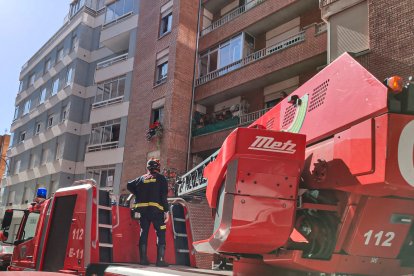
(25, 25)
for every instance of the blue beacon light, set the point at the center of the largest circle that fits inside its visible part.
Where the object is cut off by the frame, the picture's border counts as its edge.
(41, 192)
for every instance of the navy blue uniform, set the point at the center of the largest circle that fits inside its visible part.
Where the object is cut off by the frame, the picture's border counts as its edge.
(150, 192)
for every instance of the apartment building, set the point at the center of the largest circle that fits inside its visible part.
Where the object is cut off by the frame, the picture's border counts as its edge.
(70, 107)
(251, 54)
(4, 145)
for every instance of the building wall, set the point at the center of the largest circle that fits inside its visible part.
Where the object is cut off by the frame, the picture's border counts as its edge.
(390, 38)
(176, 91)
(4, 145)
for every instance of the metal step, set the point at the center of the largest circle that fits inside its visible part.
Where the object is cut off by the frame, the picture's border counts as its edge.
(101, 225)
(104, 207)
(183, 251)
(105, 245)
(180, 235)
(179, 219)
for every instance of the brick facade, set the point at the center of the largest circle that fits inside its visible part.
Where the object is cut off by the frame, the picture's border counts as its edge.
(4, 145)
(177, 90)
(391, 39)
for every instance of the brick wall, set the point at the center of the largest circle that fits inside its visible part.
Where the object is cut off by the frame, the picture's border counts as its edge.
(391, 39)
(177, 90)
(4, 145)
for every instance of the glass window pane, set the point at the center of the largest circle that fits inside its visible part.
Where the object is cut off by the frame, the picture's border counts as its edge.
(129, 6)
(30, 226)
(107, 91)
(121, 87)
(104, 177)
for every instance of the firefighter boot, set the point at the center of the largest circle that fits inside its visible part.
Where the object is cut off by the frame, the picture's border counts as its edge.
(143, 259)
(160, 256)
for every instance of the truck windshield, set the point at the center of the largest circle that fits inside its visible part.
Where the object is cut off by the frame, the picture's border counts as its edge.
(29, 230)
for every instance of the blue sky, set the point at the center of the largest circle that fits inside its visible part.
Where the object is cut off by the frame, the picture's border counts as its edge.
(25, 25)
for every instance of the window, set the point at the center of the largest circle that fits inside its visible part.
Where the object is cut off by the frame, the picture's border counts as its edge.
(42, 96)
(37, 128)
(59, 150)
(16, 113)
(225, 54)
(32, 79)
(119, 9)
(10, 199)
(157, 115)
(162, 71)
(74, 42)
(104, 176)
(32, 158)
(27, 194)
(21, 86)
(166, 22)
(105, 132)
(50, 119)
(22, 136)
(45, 156)
(69, 76)
(17, 166)
(64, 114)
(29, 231)
(76, 6)
(11, 140)
(59, 54)
(48, 65)
(110, 89)
(7, 169)
(55, 86)
(26, 107)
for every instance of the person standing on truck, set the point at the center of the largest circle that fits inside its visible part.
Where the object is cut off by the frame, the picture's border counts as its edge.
(151, 203)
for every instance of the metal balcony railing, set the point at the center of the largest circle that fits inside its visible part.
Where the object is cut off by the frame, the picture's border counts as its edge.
(193, 183)
(111, 61)
(251, 117)
(231, 15)
(112, 101)
(324, 3)
(116, 20)
(103, 146)
(252, 58)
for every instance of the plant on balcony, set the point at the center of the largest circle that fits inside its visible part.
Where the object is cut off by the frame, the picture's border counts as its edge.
(171, 175)
(155, 130)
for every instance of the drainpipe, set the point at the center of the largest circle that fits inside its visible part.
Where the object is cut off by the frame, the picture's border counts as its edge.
(190, 128)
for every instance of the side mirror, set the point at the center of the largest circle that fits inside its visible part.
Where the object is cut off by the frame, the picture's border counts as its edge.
(7, 219)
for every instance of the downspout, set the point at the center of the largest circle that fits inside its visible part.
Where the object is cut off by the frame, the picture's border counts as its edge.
(190, 128)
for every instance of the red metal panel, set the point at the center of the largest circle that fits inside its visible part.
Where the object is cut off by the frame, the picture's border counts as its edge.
(330, 107)
(257, 144)
(380, 236)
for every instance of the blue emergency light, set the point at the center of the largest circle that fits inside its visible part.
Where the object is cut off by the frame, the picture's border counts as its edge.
(41, 192)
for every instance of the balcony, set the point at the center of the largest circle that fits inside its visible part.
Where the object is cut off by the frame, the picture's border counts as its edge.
(231, 123)
(104, 157)
(116, 66)
(115, 34)
(104, 146)
(109, 110)
(298, 54)
(230, 16)
(252, 58)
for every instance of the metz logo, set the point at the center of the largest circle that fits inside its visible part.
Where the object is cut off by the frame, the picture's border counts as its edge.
(269, 144)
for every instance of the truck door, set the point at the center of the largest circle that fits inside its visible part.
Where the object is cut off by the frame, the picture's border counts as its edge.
(26, 241)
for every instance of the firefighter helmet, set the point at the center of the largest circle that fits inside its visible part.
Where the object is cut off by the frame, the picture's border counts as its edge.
(154, 165)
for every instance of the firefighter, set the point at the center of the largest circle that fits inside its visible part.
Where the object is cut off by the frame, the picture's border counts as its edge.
(151, 203)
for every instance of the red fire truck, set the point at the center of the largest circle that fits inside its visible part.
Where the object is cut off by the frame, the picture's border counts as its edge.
(322, 183)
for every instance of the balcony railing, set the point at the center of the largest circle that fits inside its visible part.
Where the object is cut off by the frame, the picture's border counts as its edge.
(251, 117)
(231, 15)
(193, 183)
(108, 102)
(320, 28)
(252, 58)
(103, 146)
(111, 61)
(324, 3)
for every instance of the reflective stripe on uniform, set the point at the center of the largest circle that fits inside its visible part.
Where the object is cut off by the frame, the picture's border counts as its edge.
(146, 204)
(150, 180)
(163, 227)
